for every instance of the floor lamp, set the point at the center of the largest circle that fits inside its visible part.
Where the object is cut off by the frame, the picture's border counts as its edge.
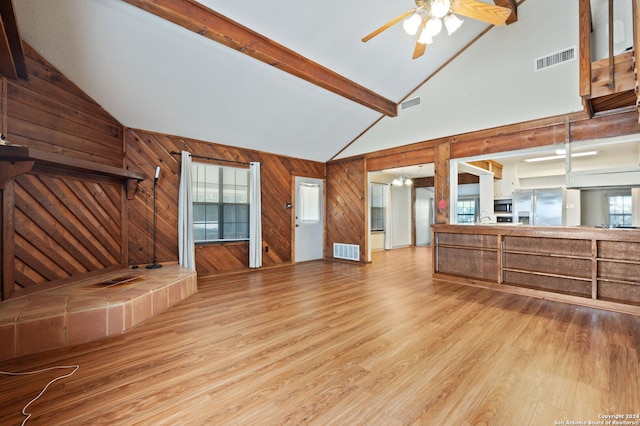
(155, 264)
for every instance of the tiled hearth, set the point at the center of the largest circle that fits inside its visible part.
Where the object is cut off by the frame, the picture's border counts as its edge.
(90, 309)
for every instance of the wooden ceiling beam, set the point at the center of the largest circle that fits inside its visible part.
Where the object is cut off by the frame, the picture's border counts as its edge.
(511, 4)
(12, 62)
(211, 24)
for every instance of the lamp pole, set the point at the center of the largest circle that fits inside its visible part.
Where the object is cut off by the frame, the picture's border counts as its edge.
(155, 264)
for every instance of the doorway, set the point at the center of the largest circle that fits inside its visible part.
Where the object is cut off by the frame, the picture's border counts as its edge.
(309, 219)
(423, 216)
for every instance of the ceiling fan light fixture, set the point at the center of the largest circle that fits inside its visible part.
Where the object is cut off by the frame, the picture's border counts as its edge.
(433, 27)
(425, 37)
(412, 23)
(428, 17)
(440, 8)
(452, 22)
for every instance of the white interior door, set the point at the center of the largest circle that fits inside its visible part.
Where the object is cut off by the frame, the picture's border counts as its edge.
(309, 211)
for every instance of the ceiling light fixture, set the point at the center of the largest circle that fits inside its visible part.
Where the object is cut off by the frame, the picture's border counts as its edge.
(452, 22)
(402, 180)
(439, 8)
(412, 23)
(429, 17)
(560, 156)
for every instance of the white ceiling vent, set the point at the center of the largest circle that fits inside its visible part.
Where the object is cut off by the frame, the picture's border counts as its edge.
(555, 58)
(410, 103)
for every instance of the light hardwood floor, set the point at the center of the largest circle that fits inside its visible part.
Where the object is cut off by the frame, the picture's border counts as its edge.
(336, 343)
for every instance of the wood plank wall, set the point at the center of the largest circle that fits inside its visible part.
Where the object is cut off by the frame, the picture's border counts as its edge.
(64, 227)
(63, 224)
(50, 113)
(146, 150)
(347, 211)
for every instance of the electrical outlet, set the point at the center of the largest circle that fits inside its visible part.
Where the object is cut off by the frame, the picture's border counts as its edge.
(266, 249)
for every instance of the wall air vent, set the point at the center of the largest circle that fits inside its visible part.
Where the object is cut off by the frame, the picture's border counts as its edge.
(410, 103)
(346, 251)
(555, 58)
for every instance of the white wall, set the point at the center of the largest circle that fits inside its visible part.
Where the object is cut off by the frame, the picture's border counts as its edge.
(376, 241)
(401, 211)
(486, 199)
(572, 208)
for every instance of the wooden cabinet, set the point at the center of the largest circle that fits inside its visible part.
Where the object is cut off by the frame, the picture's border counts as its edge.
(551, 264)
(592, 267)
(469, 255)
(618, 273)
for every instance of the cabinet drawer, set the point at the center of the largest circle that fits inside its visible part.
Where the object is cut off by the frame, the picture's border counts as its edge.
(549, 283)
(478, 264)
(572, 267)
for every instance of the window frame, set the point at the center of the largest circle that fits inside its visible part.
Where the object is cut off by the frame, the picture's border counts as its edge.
(473, 216)
(626, 214)
(380, 209)
(221, 206)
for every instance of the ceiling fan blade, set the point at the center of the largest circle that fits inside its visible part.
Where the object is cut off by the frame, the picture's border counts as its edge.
(388, 25)
(419, 50)
(474, 9)
(420, 47)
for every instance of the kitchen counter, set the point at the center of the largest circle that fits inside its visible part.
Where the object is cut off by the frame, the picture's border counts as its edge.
(596, 267)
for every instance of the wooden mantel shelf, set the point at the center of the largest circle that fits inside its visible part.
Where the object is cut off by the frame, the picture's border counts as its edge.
(19, 159)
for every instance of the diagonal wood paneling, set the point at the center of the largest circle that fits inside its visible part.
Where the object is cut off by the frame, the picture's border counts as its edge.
(65, 224)
(346, 204)
(146, 150)
(64, 227)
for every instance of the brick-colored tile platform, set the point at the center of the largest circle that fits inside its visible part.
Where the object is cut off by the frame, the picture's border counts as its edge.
(90, 309)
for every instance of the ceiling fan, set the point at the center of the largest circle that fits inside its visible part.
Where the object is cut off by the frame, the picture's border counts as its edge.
(427, 18)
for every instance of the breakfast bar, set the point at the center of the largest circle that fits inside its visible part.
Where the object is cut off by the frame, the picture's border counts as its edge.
(589, 266)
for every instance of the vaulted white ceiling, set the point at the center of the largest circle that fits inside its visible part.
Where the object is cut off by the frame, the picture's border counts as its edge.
(154, 75)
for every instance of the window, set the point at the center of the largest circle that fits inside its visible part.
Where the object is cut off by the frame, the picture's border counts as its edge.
(309, 202)
(620, 210)
(376, 197)
(467, 210)
(220, 203)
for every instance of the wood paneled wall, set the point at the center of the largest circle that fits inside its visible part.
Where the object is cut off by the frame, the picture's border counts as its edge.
(64, 227)
(58, 225)
(147, 150)
(347, 211)
(50, 113)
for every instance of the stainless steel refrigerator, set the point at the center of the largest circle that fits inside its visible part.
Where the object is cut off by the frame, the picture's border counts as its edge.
(539, 207)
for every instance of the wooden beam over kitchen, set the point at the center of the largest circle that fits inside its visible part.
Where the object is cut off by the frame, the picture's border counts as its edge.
(211, 24)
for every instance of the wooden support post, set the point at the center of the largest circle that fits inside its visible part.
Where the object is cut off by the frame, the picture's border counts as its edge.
(612, 81)
(441, 182)
(7, 242)
(585, 48)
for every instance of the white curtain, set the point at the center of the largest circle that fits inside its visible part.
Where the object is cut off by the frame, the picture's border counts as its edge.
(388, 224)
(186, 245)
(255, 217)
